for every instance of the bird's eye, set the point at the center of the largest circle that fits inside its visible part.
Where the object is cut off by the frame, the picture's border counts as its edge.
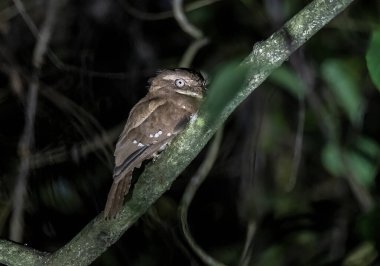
(179, 83)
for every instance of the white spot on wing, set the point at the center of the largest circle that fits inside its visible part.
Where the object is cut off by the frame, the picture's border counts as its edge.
(169, 134)
(140, 145)
(135, 142)
(158, 134)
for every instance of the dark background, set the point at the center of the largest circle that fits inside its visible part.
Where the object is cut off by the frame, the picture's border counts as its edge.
(318, 221)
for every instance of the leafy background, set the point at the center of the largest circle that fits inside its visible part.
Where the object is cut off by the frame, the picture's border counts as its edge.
(296, 178)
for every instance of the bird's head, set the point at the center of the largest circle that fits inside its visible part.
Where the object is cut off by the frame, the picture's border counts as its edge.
(184, 81)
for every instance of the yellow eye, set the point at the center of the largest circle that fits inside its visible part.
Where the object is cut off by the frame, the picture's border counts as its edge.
(179, 83)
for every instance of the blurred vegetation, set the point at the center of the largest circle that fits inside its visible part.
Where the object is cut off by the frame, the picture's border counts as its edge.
(296, 181)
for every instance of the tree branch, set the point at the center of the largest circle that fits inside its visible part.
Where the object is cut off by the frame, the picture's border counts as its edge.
(19, 255)
(266, 56)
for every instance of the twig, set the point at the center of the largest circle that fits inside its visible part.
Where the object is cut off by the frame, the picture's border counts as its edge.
(84, 122)
(246, 254)
(78, 70)
(195, 182)
(54, 58)
(308, 79)
(191, 51)
(27, 19)
(198, 42)
(251, 186)
(162, 15)
(26, 141)
(79, 150)
(297, 153)
(183, 22)
(12, 11)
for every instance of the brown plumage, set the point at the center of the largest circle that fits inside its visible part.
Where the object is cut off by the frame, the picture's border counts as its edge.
(173, 98)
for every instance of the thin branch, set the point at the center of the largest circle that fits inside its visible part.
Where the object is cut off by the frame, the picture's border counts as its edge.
(191, 51)
(56, 61)
(157, 178)
(162, 15)
(183, 22)
(306, 76)
(248, 243)
(195, 182)
(26, 141)
(27, 19)
(251, 186)
(199, 40)
(75, 152)
(297, 153)
(86, 124)
(79, 70)
(11, 11)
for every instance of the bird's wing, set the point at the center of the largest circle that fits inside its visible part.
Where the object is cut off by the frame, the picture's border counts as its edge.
(143, 112)
(140, 141)
(126, 147)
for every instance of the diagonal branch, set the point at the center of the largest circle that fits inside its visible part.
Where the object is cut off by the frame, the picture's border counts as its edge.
(266, 56)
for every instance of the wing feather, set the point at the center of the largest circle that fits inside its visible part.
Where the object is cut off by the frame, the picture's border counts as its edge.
(125, 146)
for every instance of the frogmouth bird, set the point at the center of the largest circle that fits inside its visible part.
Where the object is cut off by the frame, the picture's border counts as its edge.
(173, 99)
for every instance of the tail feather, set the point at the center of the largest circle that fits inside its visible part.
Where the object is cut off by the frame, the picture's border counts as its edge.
(116, 196)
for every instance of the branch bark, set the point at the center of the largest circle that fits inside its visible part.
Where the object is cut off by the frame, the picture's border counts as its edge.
(266, 56)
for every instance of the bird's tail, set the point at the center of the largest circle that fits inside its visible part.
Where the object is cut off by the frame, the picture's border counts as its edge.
(116, 195)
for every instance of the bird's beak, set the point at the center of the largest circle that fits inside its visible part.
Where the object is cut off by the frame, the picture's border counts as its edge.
(189, 93)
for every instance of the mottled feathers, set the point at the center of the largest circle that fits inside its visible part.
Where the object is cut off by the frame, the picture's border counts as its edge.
(173, 97)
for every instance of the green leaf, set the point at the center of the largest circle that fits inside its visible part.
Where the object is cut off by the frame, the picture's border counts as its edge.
(288, 79)
(344, 83)
(373, 58)
(363, 170)
(365, 254)
(332, 160)
(369, 147)
(362, 161)
(274, 255)
(228, 82)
